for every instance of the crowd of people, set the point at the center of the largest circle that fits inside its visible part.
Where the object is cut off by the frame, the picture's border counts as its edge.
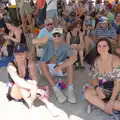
(69, 33)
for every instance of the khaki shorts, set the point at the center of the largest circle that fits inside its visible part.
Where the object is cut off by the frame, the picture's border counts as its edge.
(26, 9)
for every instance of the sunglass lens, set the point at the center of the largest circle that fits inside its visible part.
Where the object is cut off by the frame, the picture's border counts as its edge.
(57, 35)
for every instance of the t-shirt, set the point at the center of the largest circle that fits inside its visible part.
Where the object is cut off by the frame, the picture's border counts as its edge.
(110, 16)
(116, 27)
(52, 5)
(44, 32)
(40, 3)
(63, 52)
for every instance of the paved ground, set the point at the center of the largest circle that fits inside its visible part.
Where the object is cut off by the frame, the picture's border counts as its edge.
(67, 111)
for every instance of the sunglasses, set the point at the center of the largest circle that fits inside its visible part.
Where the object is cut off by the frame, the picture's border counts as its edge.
(57, 35)
(49, 24)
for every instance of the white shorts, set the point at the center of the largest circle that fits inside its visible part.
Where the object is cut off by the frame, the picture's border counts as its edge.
(53, 72)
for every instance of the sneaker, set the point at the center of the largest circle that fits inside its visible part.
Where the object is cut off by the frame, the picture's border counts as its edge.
(76, 65)
(59, 94)
(71, 96)
(89, 108)
(81, 67)
(52, 109)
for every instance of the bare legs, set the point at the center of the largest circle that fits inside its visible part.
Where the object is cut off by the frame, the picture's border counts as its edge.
(19, 93)
(80, 49)
(87, 42)
(92, 97)
(29, 18)
(45, 71)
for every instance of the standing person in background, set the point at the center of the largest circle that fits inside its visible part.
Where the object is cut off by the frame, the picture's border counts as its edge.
(51, 11)
(26, 9)
(40, 12)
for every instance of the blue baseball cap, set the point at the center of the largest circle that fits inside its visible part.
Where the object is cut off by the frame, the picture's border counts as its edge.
(20, 47)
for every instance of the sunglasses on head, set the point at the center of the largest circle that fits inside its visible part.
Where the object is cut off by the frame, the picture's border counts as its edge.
(102, 20)
(49, 24)
(57, 35)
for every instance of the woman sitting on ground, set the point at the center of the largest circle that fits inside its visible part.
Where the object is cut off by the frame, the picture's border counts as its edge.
(106, 75)
(75, 39)
(23, 79)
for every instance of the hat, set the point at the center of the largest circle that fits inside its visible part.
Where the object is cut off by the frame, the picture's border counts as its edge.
(20, 47)
(57, 30)
(103, 19)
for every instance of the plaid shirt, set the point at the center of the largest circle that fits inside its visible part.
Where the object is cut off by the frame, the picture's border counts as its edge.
(110, 32)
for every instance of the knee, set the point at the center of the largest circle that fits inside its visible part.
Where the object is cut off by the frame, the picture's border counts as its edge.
(42, 64)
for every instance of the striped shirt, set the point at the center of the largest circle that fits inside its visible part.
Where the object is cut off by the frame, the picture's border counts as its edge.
(110, 32)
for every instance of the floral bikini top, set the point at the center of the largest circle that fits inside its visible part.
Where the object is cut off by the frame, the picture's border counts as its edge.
(109, 76)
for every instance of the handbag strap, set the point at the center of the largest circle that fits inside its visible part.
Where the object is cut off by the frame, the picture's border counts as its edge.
(50, 2)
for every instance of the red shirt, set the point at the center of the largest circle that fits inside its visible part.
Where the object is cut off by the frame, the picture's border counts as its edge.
(40, 3)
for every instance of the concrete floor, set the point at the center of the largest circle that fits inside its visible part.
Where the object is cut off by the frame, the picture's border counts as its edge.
(76, 111)
(71, 111)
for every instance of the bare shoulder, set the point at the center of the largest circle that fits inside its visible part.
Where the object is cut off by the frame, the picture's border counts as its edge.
(116, 61)
(11, 67)
(10, 64)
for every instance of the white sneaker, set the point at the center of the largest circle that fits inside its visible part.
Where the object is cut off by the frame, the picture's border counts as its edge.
(89, 108)
(53, 109)
(71, 96)
(59, 94)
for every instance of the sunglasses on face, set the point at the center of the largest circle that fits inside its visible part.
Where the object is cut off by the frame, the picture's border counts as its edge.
(49, 24)
(56, 35)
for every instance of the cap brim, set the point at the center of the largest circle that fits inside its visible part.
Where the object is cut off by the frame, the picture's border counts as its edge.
(57, 33)
(20, 51)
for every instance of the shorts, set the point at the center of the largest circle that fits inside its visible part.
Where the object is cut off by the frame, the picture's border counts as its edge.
(108, 94)
(41, 16)
(53, 72)
(9, 97)
(52, 14)
(26, 9)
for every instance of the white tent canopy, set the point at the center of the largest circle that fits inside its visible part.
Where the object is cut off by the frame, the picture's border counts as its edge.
(13, 2)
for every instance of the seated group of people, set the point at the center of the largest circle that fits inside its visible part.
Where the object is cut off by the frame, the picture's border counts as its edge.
(61, 48)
